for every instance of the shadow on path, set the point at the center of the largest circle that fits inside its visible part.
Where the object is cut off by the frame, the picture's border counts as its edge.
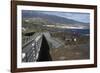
(44, 54)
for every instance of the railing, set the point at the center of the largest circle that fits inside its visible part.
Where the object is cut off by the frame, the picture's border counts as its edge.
(31, 48)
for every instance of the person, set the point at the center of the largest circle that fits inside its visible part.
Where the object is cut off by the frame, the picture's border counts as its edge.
(75, 36)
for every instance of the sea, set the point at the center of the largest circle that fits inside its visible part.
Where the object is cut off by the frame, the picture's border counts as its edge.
(82, 32)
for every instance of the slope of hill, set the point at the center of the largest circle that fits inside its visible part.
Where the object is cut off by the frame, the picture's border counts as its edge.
(51, 18)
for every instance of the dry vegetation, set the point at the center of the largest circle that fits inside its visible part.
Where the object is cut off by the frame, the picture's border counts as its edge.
(72, 50)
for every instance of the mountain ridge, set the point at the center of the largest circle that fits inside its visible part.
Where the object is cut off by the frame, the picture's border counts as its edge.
(51, 18)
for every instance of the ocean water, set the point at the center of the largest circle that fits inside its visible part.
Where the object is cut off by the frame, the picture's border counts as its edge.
(83, 32)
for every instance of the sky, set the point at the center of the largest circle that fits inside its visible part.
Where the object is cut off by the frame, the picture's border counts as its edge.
(81, 17)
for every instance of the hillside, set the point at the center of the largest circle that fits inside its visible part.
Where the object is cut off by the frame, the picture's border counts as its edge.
(52, 18)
